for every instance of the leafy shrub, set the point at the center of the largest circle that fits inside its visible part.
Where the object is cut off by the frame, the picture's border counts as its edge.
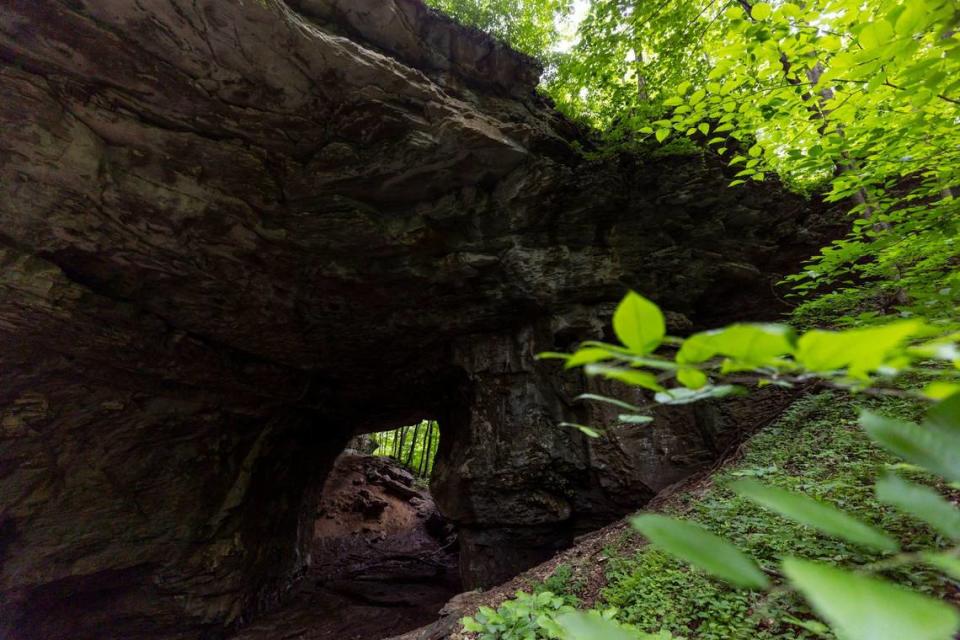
(526, 617)
(546, 615)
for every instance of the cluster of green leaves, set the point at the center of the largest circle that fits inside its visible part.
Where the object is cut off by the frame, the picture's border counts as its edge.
(525, 617)
(546, 616)
(864, 98)
(774, 354)
(628, 55)
(717, 363)
(530, 26)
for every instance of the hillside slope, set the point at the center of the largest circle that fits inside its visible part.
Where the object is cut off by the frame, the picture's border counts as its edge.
(816, 448)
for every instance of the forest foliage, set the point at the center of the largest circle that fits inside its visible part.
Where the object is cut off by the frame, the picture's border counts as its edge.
(856, 100)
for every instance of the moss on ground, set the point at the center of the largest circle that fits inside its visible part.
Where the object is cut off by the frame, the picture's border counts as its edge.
(815, 448)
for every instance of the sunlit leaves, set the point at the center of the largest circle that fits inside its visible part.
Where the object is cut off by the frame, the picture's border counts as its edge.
(861, 351)
(859, 100)
(875, 34)
(527, 25)
(682, 395)
(639, 324)
(701, 548)
(588, 431)
(587, 355)
(945, 562)
(851, 357)
(633, 377)
(749, 345)
(691, 378)
(581, 626)
(851, 602)
(761, 11)
(620, 404)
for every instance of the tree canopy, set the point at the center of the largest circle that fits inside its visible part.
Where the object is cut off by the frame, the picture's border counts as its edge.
(530, 26)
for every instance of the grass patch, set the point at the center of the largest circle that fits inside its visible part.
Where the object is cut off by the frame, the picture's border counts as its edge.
(816, 448)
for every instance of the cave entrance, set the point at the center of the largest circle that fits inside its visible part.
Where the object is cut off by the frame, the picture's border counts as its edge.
(383, 559)
(380, 543)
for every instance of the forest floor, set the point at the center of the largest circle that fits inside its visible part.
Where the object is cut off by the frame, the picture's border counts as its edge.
(815, 448)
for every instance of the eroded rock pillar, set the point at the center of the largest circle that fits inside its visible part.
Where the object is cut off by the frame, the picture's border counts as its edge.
(506, 474)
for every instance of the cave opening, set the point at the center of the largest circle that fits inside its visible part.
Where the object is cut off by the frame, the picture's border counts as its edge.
(383, 560)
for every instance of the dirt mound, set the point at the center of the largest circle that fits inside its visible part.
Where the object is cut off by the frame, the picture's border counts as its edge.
(375, 524)
(383, 559)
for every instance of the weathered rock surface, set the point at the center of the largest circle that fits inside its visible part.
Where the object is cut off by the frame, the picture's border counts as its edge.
(235, 234)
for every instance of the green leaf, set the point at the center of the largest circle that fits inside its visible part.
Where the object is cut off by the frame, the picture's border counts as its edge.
(876, 34)
(681, 395)
(552, 355)
(615, 402)
(940, 389)
(927, 446)
(945, 415)
(590, 432)
(816, 514)
(471, 625)
(921, 502)
(662, 134)
(910, 19)
(752, 345)
(864, 608)
(632, 377)
(587, 355)
(694, 544)
(631, 418)
(860, 351)
(761, 11)
(639, 324)
(691, 378)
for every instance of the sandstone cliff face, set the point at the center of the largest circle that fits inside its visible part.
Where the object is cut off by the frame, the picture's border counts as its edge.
(233, 234)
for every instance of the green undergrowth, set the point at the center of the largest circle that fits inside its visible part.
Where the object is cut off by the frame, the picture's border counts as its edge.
(815, 448)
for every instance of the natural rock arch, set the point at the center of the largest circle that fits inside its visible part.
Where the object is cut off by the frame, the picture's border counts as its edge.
(235, 234)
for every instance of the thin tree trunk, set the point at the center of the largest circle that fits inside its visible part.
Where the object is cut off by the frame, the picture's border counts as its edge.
(398, 437)
(425, 458)
(413, 446)
(436, 447)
